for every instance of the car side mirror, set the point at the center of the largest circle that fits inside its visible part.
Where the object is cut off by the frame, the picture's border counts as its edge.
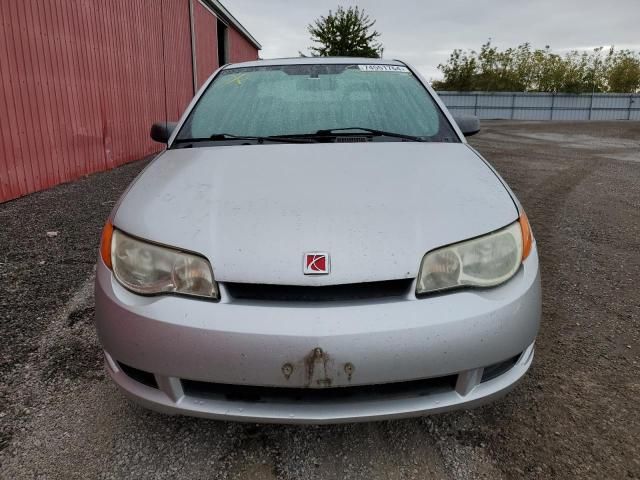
(161, 131)
(468, 124)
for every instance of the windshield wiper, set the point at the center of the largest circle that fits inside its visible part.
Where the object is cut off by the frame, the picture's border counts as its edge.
(372, 131)
(259, 139)
(299, 137)
(216, 137)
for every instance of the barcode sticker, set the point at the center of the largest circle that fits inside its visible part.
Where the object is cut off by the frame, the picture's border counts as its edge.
(383, 68)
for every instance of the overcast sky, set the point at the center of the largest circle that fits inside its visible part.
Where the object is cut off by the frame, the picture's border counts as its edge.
(424, 32)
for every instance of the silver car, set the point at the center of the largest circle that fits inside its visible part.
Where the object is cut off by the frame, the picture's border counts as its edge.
(318, 243)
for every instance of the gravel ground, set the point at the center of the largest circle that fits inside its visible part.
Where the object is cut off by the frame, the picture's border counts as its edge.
(576, 414)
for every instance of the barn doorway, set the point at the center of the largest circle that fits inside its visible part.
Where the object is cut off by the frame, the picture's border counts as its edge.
(223, 44)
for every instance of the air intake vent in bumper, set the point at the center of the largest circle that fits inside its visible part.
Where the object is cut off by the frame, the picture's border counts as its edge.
(329, 293)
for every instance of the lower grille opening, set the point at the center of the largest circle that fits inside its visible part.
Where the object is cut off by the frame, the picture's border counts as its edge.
(242, 393)
(328, 293)
(145, 378)
(497, 369)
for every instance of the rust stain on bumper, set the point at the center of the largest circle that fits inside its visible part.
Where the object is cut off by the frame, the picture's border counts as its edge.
(317, 367)
(316, 371)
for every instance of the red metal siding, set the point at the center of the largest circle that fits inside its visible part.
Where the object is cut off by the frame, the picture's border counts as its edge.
(81, 81)
(177, 57)
(206, 33)
(240, 49)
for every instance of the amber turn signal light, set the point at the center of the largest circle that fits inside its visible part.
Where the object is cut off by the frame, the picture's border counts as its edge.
(105, 243)
(527, 236)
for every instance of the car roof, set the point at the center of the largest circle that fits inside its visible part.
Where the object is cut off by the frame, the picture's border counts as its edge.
(316, 61)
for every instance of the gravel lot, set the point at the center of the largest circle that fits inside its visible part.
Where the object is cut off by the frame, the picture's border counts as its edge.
(576, 414)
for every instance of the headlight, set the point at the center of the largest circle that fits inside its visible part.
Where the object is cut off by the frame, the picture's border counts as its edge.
(482, 262)
(151, 269)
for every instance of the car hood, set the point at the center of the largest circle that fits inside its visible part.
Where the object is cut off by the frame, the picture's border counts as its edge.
(376, 208)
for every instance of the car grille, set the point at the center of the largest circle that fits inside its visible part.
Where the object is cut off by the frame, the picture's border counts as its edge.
(328, 293)
(242, 393)
(258, 394)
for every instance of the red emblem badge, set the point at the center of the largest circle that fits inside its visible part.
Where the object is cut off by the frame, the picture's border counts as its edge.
(316, 263)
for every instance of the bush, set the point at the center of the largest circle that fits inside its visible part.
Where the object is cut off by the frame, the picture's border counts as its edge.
(522, 69)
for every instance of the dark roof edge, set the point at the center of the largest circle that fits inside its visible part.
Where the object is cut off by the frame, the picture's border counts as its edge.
(226, 16)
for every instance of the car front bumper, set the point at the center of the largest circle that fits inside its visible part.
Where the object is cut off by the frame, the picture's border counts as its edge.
(434, 350)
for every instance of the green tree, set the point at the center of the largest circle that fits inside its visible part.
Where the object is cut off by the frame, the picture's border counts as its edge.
(525, 69)
(623, 75)
(345, 33)
(459, 72)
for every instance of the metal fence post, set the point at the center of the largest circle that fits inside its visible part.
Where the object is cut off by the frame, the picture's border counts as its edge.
(475, 105)
(591, 106)
(513, 104)
(629, 109)
(553, 104)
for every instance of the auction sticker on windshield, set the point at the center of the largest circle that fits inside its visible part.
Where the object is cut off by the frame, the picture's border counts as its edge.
(383, 68)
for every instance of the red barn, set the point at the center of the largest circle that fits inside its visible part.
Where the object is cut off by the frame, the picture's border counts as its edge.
(81, 81)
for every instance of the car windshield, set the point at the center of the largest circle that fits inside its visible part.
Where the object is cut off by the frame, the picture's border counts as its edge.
(330, 99)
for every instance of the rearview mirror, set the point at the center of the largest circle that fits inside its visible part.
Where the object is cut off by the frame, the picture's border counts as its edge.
(161, 131)
(468, 124)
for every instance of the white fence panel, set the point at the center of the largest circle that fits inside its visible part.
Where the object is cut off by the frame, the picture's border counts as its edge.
(544, 106)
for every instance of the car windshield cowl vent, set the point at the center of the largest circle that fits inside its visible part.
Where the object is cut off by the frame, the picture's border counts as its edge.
(351, 139)
(328, 293)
